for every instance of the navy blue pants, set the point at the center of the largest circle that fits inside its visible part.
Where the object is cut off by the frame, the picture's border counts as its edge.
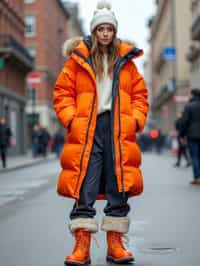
(101, 165)
(194, 149)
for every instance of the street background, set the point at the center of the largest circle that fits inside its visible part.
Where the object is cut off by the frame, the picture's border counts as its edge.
(164, 220)
(33, 219)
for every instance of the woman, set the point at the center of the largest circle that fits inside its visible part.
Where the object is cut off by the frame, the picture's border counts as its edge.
(102, 101)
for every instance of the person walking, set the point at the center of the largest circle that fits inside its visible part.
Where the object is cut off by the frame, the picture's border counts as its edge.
(191, 130)
(35, 141)
(5, 135)
(58, 141)
(182, 144)
(43, 139)
(101, 99)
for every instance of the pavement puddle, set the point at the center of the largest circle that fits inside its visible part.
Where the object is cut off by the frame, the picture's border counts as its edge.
(157, 250)
(137, 241)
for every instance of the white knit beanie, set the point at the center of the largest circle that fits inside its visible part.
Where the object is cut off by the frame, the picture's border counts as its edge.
(103, 14)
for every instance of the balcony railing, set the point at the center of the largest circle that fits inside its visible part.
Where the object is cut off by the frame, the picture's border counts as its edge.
(196, 29)
(8, 45)
(166, 92)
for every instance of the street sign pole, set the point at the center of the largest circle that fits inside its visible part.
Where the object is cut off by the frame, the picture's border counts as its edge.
(33, 100)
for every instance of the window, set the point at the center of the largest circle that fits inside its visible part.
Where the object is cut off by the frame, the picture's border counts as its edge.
(30, 26)
(29, 1)
(32, 51)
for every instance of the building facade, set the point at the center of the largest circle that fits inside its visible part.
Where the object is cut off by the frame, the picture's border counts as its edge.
(46, 30)
(194, 49)
(75, 25)
(170, 40)
(15, 63)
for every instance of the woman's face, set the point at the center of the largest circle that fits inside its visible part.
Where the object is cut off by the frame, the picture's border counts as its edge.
(105, 34)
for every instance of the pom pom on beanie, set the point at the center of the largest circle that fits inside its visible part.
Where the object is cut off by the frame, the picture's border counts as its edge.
(103, 14)
(104, 4)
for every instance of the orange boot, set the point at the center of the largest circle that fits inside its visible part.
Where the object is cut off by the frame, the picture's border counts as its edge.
(115, 228)
(81, 252)
(116, 250)
(81, 228)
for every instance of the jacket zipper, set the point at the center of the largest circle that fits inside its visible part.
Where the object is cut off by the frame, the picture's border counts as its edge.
(120, 150)
(118, 68)
(85, 144)
(119, 65)
(115, 84)
(88, 128)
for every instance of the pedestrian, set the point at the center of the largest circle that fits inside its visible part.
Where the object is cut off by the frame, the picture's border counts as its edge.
(190, 129)
(101, 100)
(35, 140)
(58, 141)
(44, 138)
(159, 142)
(182, 144)
(5, 135)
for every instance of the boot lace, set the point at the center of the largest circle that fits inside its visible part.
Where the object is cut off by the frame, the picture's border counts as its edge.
(125, 240)
(121, 238)
(83, 242)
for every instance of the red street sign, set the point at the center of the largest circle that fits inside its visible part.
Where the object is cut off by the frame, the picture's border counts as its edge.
(180, 98)
(34, 78)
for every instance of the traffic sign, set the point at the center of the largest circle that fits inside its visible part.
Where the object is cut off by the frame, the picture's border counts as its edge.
(169, 53)
(34, 78)
(180, 98)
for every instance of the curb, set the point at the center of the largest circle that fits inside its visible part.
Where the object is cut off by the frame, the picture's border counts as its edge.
(28, 164)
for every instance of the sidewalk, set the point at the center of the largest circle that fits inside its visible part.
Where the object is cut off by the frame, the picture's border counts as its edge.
(26, 160)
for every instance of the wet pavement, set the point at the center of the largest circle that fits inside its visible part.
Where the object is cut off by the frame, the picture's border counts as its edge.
(164, 220)
(15, 184)
(23, 161)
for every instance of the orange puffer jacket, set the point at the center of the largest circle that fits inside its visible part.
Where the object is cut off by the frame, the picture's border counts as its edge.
(75, 103)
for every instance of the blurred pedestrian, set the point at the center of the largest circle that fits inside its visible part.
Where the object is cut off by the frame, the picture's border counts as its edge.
(5, 135)
(35, 141)
(159, 142)
(58, 141)
(191, 129)
(100, 158)
(144, 142)
(182, 144)
(44, 138)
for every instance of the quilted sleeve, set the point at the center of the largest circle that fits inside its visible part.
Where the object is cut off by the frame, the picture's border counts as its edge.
(64, 93)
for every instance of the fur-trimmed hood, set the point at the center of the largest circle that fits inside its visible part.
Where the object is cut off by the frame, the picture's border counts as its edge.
(70, 44)
(77, 42)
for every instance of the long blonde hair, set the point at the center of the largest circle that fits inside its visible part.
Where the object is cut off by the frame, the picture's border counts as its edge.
(97, 56)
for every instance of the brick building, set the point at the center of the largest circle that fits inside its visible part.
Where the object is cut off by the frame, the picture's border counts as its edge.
(46, 30)
(15, 63)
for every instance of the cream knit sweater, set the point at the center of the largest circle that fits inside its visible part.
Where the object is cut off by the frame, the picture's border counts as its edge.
(104, 90)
